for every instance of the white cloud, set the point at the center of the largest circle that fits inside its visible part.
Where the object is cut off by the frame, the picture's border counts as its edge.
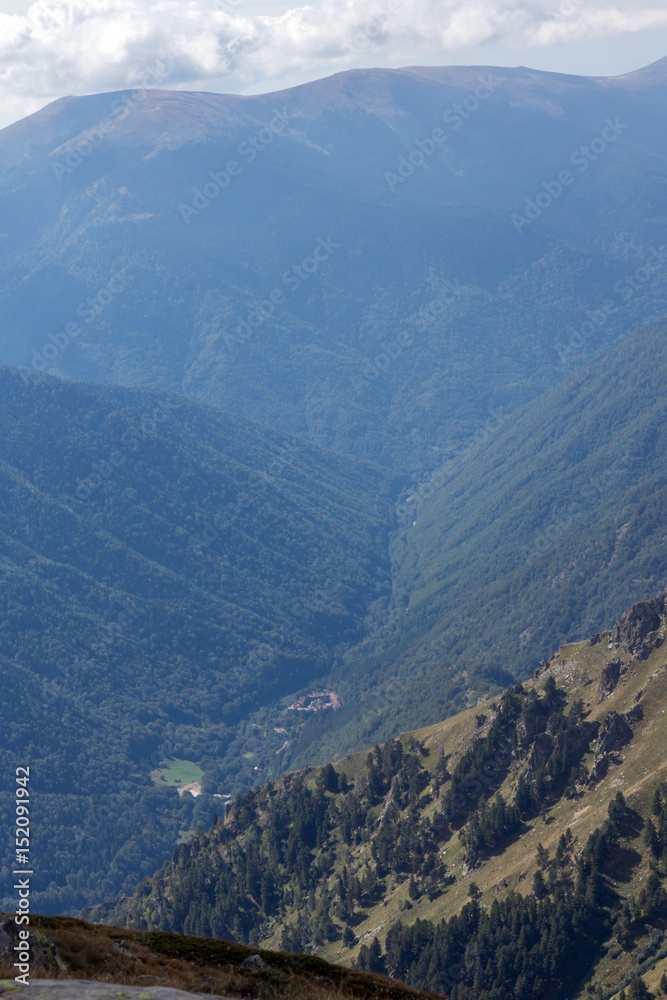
(84, 46)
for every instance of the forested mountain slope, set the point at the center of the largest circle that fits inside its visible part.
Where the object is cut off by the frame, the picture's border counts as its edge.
(377, 260)
(519, 847)
(544, 528)
(167, 571)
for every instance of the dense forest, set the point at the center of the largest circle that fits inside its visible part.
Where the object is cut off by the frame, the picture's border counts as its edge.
(307, 862)
(172, 577)
(167, 572)
(541, 531)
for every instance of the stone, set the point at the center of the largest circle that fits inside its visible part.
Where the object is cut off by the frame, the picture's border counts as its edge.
(599, 769)
(635, 714)
(614, 733)
(44, 955)
(609, 679)
(253, 962)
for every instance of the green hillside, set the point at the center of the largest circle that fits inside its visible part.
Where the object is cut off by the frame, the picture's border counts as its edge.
(542, 530)
(520, 843)
(167, 572)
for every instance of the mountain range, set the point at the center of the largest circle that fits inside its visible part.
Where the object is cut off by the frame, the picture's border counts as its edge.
(354, 390)
(307, 289)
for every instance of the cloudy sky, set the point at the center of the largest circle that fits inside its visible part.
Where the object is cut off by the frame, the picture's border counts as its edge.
(50, 48)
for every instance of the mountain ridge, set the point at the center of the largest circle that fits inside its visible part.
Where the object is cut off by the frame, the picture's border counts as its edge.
(598, 777)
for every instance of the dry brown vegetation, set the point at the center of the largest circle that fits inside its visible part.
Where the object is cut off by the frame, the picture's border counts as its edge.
(202, 965)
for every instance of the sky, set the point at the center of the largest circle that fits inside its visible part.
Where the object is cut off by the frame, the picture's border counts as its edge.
(54, 48)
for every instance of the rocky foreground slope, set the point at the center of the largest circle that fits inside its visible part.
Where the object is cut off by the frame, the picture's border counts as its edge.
(520, 845)
(72, 960)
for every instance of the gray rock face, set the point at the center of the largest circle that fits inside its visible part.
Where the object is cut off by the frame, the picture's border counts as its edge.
(43, 953)
(254, 962)
(636, 714)
(609, 679)
(542, 750)
(614, 733)
(634, 627)
(84, 989)
(599, 769)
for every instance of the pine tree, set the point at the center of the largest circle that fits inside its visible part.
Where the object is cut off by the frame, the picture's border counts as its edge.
(651, 837)
(539, 885)
(617, 808)
(542, 857)
(376, 962)
(639, 990)
(474, 891)
(663, 984)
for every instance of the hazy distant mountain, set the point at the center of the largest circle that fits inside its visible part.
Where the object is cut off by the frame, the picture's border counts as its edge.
(123, 247)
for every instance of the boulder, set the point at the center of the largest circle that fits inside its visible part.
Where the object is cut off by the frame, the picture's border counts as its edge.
(614, 733)
(253, 962)
(636, 714)
(609, 679)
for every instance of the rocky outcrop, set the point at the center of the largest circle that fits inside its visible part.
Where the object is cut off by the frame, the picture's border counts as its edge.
(599, 768)
(614, 733)
(636, 714)
(527, 726)
(635, 629)
(609, 679)
(542, 749)
(44, 956)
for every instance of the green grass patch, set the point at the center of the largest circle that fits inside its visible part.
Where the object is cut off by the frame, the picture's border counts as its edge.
(177, 772)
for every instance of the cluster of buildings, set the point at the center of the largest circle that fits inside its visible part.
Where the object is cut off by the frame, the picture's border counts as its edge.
(316, 702)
